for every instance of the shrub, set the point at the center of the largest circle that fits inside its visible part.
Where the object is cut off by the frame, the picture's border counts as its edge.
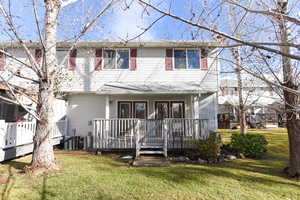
(251, 145)
(210, 148)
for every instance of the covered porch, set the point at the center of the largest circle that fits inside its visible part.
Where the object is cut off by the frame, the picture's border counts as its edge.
(150, 123)
(144, 118)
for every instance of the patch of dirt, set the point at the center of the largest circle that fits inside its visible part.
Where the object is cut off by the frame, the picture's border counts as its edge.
(3, 181)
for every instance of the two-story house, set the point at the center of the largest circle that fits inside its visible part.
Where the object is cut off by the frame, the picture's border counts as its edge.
(150, 80)
(264, 107)
(147, 80)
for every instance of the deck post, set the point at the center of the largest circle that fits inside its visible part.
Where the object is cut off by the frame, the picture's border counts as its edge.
(107, 107)
(95, 132)
(165, 132)
(137, 139)
(197, 115)
(107, 121)
(2, 133)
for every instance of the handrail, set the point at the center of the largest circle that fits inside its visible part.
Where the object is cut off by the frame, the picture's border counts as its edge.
(130, 133)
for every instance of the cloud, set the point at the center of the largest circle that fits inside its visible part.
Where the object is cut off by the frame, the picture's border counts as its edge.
(130, 22)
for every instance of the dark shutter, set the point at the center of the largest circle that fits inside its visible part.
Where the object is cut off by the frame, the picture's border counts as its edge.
(2, 61)
(133, 56)
(204, 64)
(98, 59)
(169, 59)
(38, 55)
(72, 60)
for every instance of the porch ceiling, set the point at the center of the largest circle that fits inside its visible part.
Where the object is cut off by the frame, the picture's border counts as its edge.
(153, 88)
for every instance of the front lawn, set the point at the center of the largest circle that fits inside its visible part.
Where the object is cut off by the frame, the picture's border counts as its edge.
(86, 176)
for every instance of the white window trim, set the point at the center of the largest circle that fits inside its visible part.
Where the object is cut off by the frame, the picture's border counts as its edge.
(116, 69)
(186, 56)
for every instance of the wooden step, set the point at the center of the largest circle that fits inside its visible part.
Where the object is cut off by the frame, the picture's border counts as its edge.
(151, 152)
(152, 147)
(150, 161)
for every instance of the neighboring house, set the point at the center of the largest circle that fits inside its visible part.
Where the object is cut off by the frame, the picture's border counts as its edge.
(264, 106)
(150, 81)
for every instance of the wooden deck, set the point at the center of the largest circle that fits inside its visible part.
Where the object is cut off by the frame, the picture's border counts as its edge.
(140, 134)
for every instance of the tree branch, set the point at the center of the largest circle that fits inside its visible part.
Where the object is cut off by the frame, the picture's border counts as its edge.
(17, 99)
(216, 31)
(263, 79)
(269, 12)
(16, 59)
(13, 29)
(37, 23)
(87, 26)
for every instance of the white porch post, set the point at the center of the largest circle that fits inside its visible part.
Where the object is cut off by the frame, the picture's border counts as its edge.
(107, 114)
(196, 106)
(107, 107)
(197, 116)
(2, 134)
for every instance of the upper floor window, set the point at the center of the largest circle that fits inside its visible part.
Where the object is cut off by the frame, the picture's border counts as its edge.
(62, 57)
(186, 59)
(116, 59)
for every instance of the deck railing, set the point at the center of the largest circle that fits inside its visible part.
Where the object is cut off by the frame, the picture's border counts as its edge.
(132, 133)
(14, 134)
(115, 133)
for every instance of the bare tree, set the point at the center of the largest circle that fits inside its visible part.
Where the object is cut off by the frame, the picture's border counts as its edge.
(46, 75)
(270, 42)
(236, 55)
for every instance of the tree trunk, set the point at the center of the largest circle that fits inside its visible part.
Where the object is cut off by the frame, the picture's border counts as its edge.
(242, 113)
(242, 109)
(291, 99)
(43, 155)
(293, 169)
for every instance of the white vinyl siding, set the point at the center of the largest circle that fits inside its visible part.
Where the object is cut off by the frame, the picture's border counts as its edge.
(150, 70)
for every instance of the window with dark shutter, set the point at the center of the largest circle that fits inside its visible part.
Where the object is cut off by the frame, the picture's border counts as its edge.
(169, 59)
(72, 60)
(38, 56)
(2, 61)
(133, 55)
(204, 64)
(98, 59)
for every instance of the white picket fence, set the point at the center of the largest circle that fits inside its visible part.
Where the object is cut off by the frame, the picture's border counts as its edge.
(21, 133)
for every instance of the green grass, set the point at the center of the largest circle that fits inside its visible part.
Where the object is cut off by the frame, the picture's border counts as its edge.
(87, 176)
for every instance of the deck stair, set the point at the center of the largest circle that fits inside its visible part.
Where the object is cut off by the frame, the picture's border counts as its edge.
(151, 146)
(151, 161)
(147, 149)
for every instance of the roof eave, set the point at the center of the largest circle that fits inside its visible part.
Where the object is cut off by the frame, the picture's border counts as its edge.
(120, 44)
